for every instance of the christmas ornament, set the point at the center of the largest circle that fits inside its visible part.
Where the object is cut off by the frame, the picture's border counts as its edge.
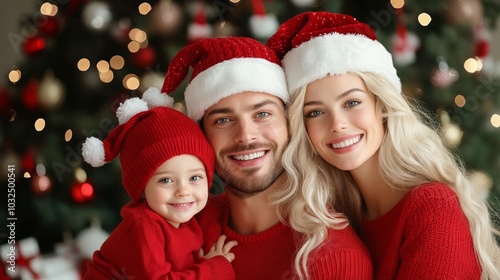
(166, 18)
(51, 92)
(82, 192)
(144, 57)
(50, 26)
(483, 183)
(5, 100)
(199, 29)
(29, 95)
(34, 45)
(262, 25)
(464, 12)
(97, 16)
(9, 158)
(24, 257)
(41, 185)
(482, 40)
(444, 76)
(28, 161)
(404, 43)
(90, 239)
(304, 3)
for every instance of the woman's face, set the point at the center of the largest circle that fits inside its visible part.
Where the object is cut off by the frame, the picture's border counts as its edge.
(342, 122)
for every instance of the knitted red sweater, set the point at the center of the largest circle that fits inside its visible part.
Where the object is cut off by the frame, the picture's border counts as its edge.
(145, 246)
(269, 255)
(425, 236)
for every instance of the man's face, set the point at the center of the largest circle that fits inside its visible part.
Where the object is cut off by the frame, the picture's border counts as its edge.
(248, 132)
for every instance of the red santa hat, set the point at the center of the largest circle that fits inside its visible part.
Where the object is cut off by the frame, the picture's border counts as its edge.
(223, 67)
(148, 134)
(313, 45)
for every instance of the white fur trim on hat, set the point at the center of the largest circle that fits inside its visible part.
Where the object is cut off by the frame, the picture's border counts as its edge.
(130, 108)
(93, 152)
(230, 77)
(154, 98)
(337, 54)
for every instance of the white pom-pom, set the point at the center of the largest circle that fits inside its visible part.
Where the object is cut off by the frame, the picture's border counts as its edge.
(130, 108)
(263, 27)
(198, 31)
(154, 98)
(93, 152)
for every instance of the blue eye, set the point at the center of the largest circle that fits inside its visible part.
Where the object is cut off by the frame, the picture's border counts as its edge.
(262, 114)
(352, 103)
(196, 178)
(313, 114)
(221, 120)
(166, 180)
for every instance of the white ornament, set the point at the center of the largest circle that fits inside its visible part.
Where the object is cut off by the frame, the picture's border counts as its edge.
(263, 26)
(97, 16)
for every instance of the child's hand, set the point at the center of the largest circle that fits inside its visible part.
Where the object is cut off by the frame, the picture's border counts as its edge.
(220, 249)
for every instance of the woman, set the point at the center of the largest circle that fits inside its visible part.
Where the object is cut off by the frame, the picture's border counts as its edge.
(372, 156)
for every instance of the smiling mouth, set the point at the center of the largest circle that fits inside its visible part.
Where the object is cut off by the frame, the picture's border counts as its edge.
(346, 143)
(249, 156)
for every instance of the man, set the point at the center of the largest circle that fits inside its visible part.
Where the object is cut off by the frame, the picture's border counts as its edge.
(237, 92)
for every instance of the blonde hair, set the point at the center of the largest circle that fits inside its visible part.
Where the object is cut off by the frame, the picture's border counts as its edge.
(412, 153)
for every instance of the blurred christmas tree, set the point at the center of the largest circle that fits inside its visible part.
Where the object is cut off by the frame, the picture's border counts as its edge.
(83, 57)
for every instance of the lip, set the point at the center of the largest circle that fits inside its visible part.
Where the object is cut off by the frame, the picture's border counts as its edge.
(344, 138)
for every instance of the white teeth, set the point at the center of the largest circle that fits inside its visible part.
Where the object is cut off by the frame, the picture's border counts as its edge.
(182, 204)
(346, 143)
(249, 156)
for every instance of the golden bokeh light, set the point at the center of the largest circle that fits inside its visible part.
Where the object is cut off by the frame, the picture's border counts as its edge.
(83, 64)
(68, 135)
(460, 100)
(134, 47)
(424, 19)
(15, 76)
(144, 8)
(470, 65)
(39, 124)
(495, 120)
(102, 66)
(117, 62)
(397, 4)
(106, 77)
(131, 82)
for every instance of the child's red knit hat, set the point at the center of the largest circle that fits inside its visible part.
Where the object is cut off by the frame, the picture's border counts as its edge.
(223, 67)
(149, 133)
(313, 45)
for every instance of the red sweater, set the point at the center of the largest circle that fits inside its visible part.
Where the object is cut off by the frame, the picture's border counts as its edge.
(425, 236)
(269, 255)
(145, 246)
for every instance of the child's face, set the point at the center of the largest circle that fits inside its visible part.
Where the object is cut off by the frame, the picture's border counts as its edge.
(178, 189)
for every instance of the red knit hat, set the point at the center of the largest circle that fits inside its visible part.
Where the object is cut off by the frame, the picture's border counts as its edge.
(223, 67)
(312, 45)
(147, 137)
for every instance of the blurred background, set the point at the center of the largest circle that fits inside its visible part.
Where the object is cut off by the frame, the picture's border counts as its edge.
(67, 64)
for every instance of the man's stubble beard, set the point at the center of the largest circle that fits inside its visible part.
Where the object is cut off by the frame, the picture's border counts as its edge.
(246, 184)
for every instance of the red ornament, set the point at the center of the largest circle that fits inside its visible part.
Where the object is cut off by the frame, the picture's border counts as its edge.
(34, 45)
(82, 192)
(28, 161)
(30, 95)
(5, 100)
(144, 57)
(49, 27)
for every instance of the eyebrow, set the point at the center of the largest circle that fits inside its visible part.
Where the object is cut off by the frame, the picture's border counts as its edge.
(247, 108)
(344, 94)
(190, 170)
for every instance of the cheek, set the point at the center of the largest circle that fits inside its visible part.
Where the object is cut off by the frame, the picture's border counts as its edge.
(315, 133)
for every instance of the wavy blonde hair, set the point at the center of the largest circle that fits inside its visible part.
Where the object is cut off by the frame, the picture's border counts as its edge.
(412, 153)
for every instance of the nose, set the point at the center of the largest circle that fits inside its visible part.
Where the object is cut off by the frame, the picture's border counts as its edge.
(338, 122)
(182, 189)
(246, 131)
